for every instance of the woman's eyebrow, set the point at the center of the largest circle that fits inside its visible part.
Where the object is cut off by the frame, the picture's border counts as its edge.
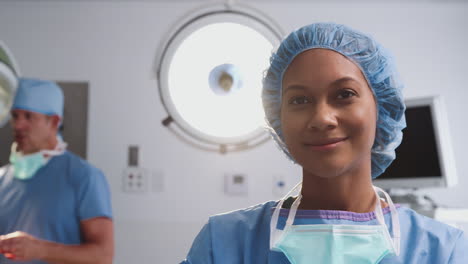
(293, 87)
(334, 83)
(343, 80)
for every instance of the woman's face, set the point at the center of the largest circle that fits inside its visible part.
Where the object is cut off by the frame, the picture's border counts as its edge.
(328, 113)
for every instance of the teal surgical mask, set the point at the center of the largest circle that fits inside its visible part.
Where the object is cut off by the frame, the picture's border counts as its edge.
(26, 166)
(326, 243)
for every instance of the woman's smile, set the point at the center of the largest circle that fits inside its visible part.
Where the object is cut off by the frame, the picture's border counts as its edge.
(325, 144)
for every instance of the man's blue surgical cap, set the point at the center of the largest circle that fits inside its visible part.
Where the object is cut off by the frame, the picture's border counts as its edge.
(39, 96)
(374, 61)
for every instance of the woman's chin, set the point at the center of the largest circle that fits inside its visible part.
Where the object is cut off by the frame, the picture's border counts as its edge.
(324, 172)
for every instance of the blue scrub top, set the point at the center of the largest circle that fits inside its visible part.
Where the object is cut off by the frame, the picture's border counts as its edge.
(243, 236)
(51, 205)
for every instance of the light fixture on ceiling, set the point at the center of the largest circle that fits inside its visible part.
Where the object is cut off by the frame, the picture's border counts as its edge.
(8, 82)
(210, 73)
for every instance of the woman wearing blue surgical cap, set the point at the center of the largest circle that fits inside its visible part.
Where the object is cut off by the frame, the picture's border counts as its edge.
(333, 102)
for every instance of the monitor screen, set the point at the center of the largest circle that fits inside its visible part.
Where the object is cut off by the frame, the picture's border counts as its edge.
(422, 158)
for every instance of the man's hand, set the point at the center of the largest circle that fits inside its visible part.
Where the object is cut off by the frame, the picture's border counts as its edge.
(97, 248)
(21, 246)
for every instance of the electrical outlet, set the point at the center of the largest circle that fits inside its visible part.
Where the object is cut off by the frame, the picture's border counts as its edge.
(135, 180)
(157, 181)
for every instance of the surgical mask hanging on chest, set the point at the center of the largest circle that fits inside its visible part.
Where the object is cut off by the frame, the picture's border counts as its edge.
(328, 243)
(26, 166)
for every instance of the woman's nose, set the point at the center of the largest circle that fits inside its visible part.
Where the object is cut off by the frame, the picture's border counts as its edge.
(322, 117)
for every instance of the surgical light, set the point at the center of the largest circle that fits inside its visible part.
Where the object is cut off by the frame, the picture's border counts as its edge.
(210, 79)
(8, 82)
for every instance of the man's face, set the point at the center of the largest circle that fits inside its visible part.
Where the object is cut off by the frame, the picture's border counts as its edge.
(32, 131)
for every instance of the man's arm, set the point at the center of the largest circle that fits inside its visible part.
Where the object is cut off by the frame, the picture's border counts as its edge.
(97, 248)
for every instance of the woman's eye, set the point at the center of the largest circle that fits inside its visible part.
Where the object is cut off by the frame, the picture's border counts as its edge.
(299, 100)
(344, 94)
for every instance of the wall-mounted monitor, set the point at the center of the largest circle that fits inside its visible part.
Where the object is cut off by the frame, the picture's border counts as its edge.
(425, 157)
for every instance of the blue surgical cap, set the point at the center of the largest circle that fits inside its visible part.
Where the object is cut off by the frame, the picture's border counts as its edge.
(374, 61)
(39, 96)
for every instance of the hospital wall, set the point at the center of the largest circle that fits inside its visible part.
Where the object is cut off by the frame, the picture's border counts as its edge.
(113, 45)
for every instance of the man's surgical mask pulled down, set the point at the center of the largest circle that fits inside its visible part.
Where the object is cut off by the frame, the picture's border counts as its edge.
(26, 166)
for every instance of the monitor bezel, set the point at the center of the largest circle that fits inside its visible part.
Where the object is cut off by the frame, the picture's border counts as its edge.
(444, 149)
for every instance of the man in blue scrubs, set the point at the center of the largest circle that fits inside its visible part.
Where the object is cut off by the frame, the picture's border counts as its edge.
(54, 206)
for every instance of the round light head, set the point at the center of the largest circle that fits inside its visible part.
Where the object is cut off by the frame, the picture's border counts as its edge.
(8, 83)
(211, 77)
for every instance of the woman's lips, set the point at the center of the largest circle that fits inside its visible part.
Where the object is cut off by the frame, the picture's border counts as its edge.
(326, 144)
